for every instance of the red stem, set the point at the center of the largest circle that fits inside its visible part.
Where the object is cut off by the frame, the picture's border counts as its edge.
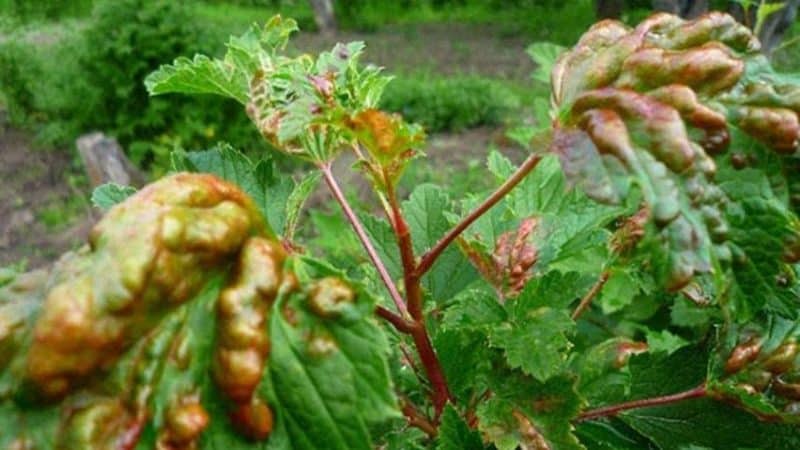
(587, 299)
(406, 246)
(330, 180)
(416, 329)
(440, 392)
(401, 324)
(613, 410)
(416, 419)
(430, 362)
(522, 171)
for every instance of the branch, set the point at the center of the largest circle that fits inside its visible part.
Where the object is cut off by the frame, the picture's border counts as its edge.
(330, 180)
(399, 323)
(613, 410)
(587, 299)
(440, 394)
(522, 171)
(406, 247)
(416, 419)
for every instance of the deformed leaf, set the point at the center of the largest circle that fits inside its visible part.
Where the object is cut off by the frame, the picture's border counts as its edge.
(269, 190)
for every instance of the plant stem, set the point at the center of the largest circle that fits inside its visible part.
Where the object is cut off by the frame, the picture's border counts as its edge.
(613, 410)
(587, 299)
(433, 369)
(400, 324)
(417, 419)
(406, 246)
(416, 329)
(440, 394)
(522, 171)
(330, 180)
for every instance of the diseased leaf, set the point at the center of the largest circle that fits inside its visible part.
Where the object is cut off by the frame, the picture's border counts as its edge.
(269, 190)
(523, 411)
(179, 355)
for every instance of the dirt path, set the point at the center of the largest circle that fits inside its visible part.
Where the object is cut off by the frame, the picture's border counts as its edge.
(34, 189)
(448, 49)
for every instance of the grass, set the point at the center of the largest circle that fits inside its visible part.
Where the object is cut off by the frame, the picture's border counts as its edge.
(561, 24)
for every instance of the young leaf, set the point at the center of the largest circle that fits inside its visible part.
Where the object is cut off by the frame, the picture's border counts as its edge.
(229, 77)
(544, 54)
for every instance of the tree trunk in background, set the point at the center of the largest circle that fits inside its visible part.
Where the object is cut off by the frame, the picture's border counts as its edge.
(608, 9)
(774, 27)
(688, 9)
(323, 15)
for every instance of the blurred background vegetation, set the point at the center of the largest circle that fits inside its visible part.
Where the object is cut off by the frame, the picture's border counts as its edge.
(68, 67)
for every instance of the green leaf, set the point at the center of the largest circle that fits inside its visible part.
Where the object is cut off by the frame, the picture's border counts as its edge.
(107, 195)
(229, 77)
(201, 75)
(711, 424)
(544, 54)
(555, 289)
(454, 434)
(473, 309)
(409, 438)
(333, 239)
(603, 374)
(700, 422)
(524, 412)
(294, 203)
(465, 357)
(425, 212)
(324, 396)
(618, 292)
(761, 225)
(269, 190)
(664, 342)
(571, 234)
(385, 242)
(611, 435)
(535, 341)
(685, 313)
